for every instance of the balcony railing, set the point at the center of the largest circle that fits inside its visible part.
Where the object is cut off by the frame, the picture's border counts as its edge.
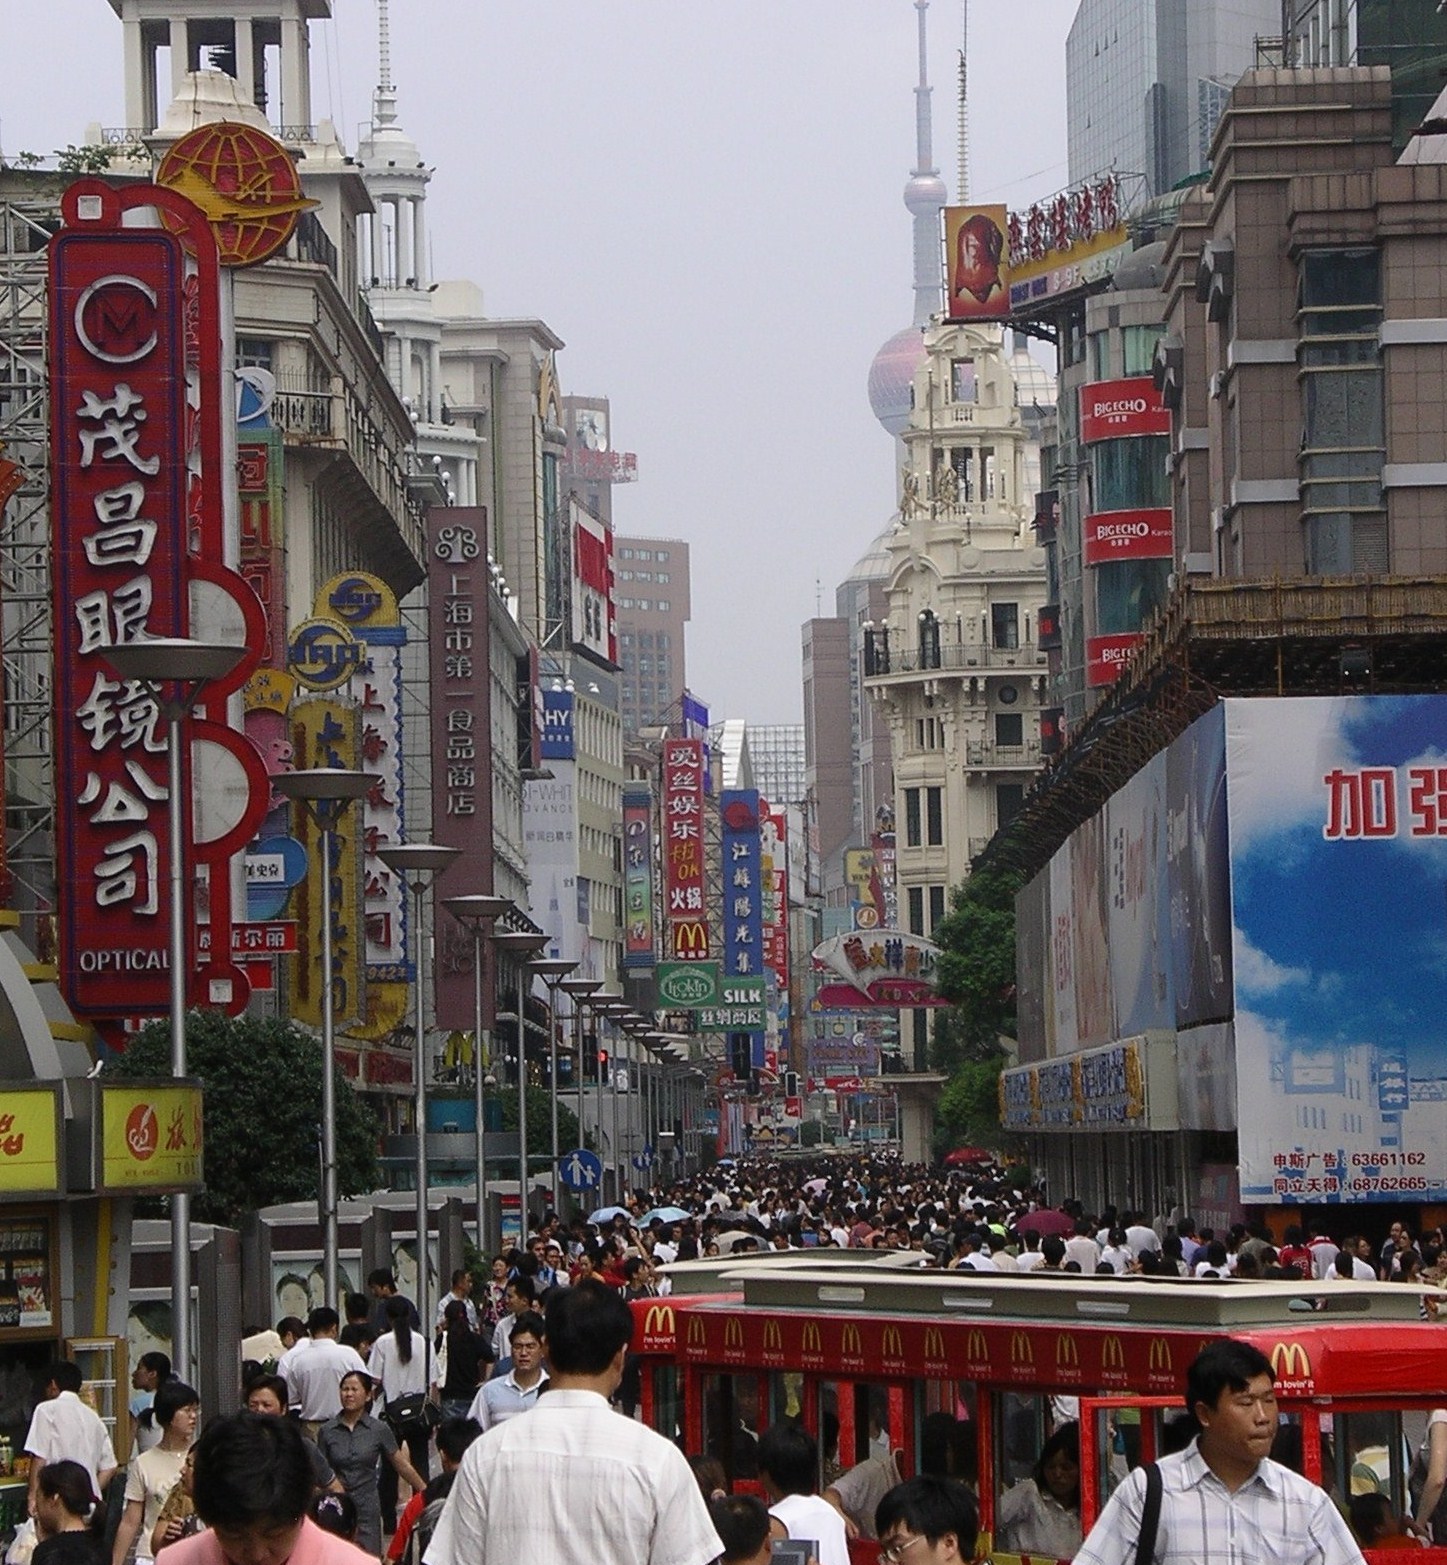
(384, 471)
(1004, 757)
(956, 659)
(310, 243)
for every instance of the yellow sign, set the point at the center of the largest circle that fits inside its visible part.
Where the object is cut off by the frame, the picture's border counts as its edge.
(810, 1340)
(1112, 1354)
(773, 1337)
(859, 866)
(934, 1344)
(29, 1141)
(1021, 1351)
(658, 1322)
(1066, 1353)
(850, 1345)
(977, 1349)
(697, 1331)
(892, 1346)
(1160, 1354)
(733, 1332)
(150, 1136)
(1290, 1361)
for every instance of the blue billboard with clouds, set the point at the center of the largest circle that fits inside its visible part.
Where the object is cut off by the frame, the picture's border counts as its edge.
(1338, 857)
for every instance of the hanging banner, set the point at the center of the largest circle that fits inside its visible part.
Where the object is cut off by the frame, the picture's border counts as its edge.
(977, 263)
(637, 878)
(683, 850)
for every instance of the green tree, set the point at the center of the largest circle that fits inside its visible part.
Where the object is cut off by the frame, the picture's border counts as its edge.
(263, 1110)
(502, 1114)
(969, 1107)
(811, 1133)
(977, 970)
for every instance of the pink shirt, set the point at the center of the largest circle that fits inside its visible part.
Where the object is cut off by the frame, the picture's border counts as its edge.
(313, 1547)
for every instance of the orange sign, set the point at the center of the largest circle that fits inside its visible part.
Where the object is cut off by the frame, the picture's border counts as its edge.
(245, 184)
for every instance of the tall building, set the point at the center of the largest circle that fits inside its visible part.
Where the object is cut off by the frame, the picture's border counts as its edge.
(653, 605)
(776, 752)
(1146, 81)
(1409, 37)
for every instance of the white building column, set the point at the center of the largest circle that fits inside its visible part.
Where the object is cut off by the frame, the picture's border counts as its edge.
(295, 108)
(180, 54)
(419, 242)
(245, 59)
(374, 226)
(135, 72)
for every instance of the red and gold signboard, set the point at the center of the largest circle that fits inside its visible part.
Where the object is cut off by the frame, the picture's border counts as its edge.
(244, 182)
(683, 850)
(1129, 535)
(1122, 410)
(118, 438)
(977, 263)
(1107, 656)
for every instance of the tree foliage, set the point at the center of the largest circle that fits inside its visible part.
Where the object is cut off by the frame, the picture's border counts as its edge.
(540, 1120)
(969, 1106)
(977, 969)
(263, 1111)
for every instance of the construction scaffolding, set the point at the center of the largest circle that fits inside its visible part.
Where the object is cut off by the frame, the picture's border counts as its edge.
(29, 215)
(1316, 636)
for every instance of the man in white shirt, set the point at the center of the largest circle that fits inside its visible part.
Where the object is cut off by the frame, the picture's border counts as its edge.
(1139, 1235)
(788, 1468)
(574, 1479)
(1223, 1494)
(505, 1396)
(1082, 1248)
(461, 1290)
(313, 1369)
(517, 1298)
(1029, 1257)
(63, 1428)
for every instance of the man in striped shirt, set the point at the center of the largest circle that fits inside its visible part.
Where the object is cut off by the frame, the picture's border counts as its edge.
(1224, 1500)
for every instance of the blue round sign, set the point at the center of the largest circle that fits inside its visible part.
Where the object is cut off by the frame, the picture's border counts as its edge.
(580, 1170)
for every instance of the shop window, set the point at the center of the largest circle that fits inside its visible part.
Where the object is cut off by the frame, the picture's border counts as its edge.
(1138, 348)
(916, 910)
(1130, 474)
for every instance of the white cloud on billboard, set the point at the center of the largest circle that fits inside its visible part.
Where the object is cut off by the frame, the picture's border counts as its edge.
(1280, 750)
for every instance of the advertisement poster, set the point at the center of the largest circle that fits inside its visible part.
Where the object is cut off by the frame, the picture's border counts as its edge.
(977, 263)
(1338, 821)
(1093, 1009)
(1200, 877)
(1139, 896)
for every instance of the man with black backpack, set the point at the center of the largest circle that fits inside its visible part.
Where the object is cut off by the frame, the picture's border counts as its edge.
(1222, 1497)
(417, 1522)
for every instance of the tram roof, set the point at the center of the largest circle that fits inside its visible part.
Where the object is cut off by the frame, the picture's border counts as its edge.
(1146, 1302)
(719, 1273)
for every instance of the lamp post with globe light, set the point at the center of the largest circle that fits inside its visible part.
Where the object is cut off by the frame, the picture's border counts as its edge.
(419, 863)
(176, 670)
(479, 911)
(553, 970)
(324, 793)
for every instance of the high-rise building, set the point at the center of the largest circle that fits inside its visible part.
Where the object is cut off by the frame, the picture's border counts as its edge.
(653, 612)
(1146, 81)
(776, 752)
(1409, 37)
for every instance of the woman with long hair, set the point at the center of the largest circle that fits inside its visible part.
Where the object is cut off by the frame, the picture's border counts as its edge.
(66, 1519)
(460, 1361)
(1041, 1515)
(359, 1448)
(398, 1367)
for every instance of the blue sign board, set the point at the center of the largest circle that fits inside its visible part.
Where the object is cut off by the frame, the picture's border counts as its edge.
(580, 1170)
(557, 735)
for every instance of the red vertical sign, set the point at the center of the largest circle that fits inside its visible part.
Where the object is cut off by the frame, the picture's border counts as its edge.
(683, 850)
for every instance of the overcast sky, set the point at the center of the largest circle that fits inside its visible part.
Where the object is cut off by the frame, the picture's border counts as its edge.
(704, 201)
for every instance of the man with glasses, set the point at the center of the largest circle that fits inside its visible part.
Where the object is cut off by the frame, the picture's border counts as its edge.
(926, 1521)
(1223, 1493)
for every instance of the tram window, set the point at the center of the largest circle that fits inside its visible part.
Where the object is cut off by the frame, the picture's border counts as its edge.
(1371, 1455)
(731, 1423)
(786, 1397)
(945, 1443)
(667, 1403)
(1019, 1434)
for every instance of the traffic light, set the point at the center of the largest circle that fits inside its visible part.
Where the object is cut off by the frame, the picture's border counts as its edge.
(602, 1065)
(740, 1055)
(791, 1084)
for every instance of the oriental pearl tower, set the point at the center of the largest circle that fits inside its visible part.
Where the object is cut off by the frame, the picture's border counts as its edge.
(892, 372)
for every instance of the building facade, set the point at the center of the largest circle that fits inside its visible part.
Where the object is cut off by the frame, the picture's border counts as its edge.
(1146, 81)
(654, 607)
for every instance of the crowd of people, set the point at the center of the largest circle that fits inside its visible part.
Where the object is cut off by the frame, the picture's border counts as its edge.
(503, 1417)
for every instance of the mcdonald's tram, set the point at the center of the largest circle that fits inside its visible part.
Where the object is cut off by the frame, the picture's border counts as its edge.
(896, 1372)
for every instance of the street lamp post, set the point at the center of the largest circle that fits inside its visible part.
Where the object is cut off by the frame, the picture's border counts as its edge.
(418, 863)
(578, 991)
(522, 944)
(478, 912)
(324, 793)
(176, 670)
(553, 970)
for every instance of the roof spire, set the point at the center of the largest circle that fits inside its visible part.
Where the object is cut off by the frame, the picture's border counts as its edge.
(962, 186)
(924, 195)
(385, 101)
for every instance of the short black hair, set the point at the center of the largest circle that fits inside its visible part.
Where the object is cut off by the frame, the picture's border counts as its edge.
(525, 1286)
(290, 1326)
(156, 1363)
(1052, 1247)
(381, 1277)
(64, 1374)
(742, 1524)
(789, 1455)
(1369, 1515)
(272, 1383)
(1223, 1365)
(322, 1318)
(587, 1324)
(250, 1470)
(454, 1435)
(171, 1397)
(359, 1306)
(529, 1321)
(931, 1506)
(335, 1513)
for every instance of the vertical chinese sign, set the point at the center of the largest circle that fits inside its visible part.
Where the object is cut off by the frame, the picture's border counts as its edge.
(683, 850)
(458, 648)
(774, 872)
(637, 878)
(743, 895)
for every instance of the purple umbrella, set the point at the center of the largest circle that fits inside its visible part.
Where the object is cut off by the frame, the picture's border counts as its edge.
(1047, 1222)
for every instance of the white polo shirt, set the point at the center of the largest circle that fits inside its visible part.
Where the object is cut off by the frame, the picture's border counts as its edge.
(314, 1376)
(65, 1429)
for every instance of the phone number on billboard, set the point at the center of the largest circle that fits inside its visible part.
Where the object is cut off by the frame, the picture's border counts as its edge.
(1390, 1182)
(1389, 1160)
